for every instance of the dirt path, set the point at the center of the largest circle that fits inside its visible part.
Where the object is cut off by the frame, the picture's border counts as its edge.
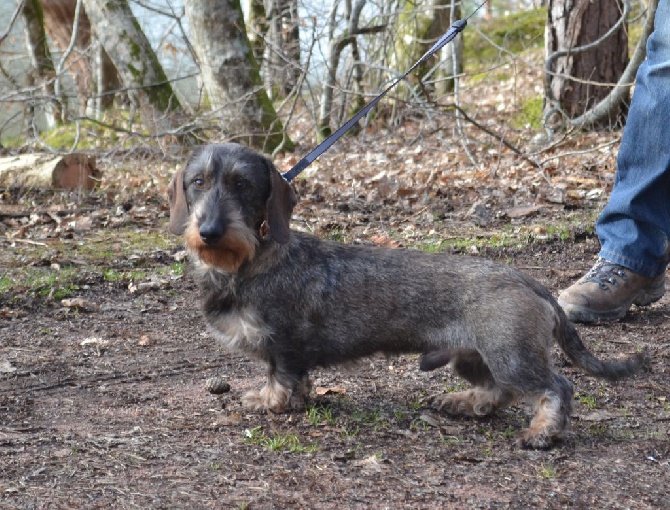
(107, 408)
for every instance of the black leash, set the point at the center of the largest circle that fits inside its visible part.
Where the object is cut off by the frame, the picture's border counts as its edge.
(456, 27)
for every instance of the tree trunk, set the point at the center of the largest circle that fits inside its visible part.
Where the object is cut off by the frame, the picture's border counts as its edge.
(577, 80)
(230, 74)
(59, 18)
(258, 28)
(451, 55)
(123, 40)
(281, 61)
(90, 67)
(419, 25)
(44, 72)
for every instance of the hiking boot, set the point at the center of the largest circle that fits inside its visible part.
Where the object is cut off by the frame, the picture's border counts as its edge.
(608, 291)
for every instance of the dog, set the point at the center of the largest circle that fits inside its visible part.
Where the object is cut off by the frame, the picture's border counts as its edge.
(297, 302)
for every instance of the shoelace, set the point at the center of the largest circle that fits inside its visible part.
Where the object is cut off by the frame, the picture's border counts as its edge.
(604, 272)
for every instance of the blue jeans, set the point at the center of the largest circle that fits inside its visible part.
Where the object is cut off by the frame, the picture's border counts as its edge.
(634, 226)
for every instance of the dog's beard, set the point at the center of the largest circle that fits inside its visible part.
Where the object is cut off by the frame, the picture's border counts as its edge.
(237, 246)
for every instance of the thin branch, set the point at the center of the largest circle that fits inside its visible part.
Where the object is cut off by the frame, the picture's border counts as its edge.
(70, 47)
(12, 20)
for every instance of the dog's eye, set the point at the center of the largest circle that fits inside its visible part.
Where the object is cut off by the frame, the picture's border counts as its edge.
(198, 183)
(242, 184)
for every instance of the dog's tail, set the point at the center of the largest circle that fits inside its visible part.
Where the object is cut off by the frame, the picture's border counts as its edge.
(570, 342)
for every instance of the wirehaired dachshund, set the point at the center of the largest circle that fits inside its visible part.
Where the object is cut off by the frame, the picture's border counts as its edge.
(298, 302)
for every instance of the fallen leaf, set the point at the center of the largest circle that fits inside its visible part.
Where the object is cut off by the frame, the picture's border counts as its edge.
(80, 304)
(522, 212)
(6, 367)
(597, 416)
(320, 390)
(94, 340)
(145, 340)
(385, 241)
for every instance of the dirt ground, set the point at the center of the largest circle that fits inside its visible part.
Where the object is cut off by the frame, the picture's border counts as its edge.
(104, 402)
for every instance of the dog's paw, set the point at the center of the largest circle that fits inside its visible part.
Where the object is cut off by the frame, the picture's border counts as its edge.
(464, 403)
(530, 439)
(253, 401)
(264, 400)
(275, 398)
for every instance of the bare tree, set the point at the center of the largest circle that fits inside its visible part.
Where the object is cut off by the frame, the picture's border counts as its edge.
(44, 72)
(419, 24)
(92, 70)
(119, 33)
(337, 44)
(231, 76)
(281, 60)
(587, 47)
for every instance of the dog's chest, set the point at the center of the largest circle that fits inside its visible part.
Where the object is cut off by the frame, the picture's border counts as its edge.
(239, 329)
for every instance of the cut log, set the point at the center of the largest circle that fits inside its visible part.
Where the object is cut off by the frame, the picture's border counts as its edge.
(68, 171)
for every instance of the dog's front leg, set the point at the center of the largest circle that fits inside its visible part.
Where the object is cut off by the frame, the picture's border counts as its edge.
(282, 391)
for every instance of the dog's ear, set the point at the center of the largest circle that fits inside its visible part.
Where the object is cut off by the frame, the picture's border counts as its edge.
(178, 207)
(279, 206)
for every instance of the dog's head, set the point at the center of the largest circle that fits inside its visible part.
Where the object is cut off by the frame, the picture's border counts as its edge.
(226, 200)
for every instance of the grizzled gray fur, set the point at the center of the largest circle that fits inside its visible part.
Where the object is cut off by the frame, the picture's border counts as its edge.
(297, 302)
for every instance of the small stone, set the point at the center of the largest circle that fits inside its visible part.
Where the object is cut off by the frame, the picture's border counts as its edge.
(217, 386)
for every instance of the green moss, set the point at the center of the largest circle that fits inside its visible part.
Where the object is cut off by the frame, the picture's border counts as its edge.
(530, 113)
(40, 282)
(121, 256)
(515, 33)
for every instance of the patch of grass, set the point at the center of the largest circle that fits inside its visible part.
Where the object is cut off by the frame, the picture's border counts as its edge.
(510, 432)
(336, 235)
(599, 430)
(587, 400)
(547, 472)
(432, 246)
(177, 268)
(278, 442)
(455, 388)
(451, 440)
(370, 417)
(320, 415)
(350, 432)
(5, 284)
(42, 282)
(419, 424)
(112, 275)
(399, 415)
(89, 134)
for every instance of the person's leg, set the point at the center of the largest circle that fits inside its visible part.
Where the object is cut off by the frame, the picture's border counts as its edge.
(634, 226)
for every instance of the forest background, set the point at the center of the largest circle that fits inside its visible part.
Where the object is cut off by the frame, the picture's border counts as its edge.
(502, 146)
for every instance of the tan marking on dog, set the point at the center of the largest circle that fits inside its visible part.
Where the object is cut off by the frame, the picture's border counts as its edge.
(546, 424)
(237, 246)
(475, 402)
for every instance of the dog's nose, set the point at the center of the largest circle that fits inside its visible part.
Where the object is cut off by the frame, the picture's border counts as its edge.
(210, 233)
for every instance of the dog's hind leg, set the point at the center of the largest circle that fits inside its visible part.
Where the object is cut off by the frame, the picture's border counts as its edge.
(553, 408)
(481, 400)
